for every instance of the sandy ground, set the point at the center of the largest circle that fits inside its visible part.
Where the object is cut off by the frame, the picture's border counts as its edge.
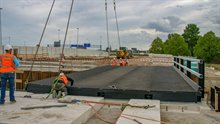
(190, 118)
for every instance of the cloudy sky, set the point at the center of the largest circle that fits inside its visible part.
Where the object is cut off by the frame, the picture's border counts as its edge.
(140, 21)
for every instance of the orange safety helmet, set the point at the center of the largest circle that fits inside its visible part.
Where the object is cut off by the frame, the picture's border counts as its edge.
(63, 78)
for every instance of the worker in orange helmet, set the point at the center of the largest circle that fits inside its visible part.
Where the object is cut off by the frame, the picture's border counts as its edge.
(126, 62)
(114, 62)
(8, 64)
(60, 85)
(121, 62)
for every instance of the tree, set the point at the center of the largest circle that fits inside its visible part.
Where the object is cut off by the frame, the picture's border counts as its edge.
(208, 47)
(191, 36)
(176, 45)
(156, 46)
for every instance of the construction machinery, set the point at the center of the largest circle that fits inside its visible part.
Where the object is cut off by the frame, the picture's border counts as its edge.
(123, 53)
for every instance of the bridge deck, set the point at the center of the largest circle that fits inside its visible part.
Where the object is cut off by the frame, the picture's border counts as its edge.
(147, 82)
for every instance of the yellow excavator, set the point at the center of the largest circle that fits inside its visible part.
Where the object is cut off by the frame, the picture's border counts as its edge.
(123, 53)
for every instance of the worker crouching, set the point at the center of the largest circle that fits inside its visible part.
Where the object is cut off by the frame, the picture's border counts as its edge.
(59, 86)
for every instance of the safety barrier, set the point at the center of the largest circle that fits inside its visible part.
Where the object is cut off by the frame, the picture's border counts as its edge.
(215, 98)
(192, 67)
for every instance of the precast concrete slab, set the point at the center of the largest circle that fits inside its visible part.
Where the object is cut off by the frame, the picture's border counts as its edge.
(132, 115)
(71, 114)
(139, 82)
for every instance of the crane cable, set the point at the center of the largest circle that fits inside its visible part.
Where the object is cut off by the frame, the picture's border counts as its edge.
(38, 45)
(67, 27)
(116, 19)
(106, 13)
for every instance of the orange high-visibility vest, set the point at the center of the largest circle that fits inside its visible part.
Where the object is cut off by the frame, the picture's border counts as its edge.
(7, 64)
(114, 62)
(64, 79)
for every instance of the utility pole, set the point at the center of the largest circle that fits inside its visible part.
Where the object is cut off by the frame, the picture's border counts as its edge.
(77, 40)
(106, 13)
(1, 31)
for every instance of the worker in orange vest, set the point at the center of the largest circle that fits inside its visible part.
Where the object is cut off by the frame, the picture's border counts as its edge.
(126, 62)
(60, 85)
(121, 62)
(8, 63)
(114, 62)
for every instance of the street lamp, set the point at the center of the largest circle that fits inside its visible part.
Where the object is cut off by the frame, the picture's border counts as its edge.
(77, 40)
(58, 34)
(100, 43)
(1, 30)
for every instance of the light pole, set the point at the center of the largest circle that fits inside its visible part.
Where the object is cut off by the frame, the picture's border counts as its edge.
(100, 43)
(58, 34)
(77, 40)
(1, 30)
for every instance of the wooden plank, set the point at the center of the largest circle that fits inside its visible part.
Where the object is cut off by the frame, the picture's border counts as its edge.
(19, 71)
(18, 81)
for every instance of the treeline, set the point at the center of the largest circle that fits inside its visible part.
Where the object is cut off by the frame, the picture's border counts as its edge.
(190, 43)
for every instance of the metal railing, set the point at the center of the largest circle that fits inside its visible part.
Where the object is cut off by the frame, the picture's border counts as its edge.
(190, 67)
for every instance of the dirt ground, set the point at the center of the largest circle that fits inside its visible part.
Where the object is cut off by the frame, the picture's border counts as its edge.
(190, 118)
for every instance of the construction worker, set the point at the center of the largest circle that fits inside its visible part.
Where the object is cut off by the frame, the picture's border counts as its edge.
(59, 85)
(126, 62)
(121, 62)
(8, 63)
(114, 62)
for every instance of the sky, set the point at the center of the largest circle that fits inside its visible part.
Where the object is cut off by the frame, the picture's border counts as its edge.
(139, 21)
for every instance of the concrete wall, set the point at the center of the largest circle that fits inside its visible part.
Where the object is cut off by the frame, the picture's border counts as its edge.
(56, 51)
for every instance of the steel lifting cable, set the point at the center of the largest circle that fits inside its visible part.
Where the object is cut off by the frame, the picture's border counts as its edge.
(67, 27)
(116, 19)
(38, 45)
(106, 13)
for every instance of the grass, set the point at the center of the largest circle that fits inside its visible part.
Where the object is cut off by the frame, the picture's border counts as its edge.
(216, 66)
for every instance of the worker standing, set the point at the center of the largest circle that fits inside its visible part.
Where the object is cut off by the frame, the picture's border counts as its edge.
(121, 62)
(59, 85)
(114, 62)
(8, 64)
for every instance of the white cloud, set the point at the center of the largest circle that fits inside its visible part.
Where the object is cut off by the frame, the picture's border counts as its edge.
(23, 20)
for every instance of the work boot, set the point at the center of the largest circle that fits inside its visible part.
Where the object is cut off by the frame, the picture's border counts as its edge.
(59, 95)
(13, 101)
(63, 95)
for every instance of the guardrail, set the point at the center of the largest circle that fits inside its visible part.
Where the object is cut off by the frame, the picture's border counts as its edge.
(190, 67)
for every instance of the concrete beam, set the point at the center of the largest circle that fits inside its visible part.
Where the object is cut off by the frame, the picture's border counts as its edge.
(132, 115)
(72, 114)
